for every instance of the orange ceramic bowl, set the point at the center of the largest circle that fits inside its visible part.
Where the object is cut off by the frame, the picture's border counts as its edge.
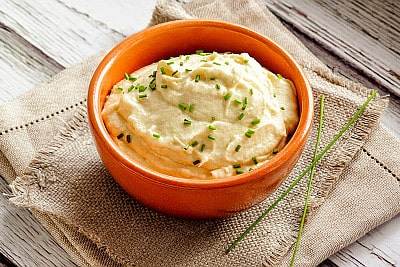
(191, 198)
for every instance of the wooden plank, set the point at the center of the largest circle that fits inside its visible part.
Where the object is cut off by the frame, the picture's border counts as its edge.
(352, 30)
(23, 240)
(60, 32)
(125, 17)
(22, 66)
(57, 43)
(379, 247)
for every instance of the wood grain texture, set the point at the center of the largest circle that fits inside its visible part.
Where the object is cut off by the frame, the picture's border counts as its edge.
(52, 28)
(364, 34)
(23, 240)
(22, 65)
(357, 39)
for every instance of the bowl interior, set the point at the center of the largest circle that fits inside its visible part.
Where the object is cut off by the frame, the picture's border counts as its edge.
(185, 37)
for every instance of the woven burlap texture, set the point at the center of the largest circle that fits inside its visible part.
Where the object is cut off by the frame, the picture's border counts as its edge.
(63, 182)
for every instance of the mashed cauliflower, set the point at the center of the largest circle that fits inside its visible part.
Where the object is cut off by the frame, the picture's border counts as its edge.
(203, 116)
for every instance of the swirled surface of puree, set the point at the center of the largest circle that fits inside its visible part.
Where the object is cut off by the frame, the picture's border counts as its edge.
(202, 116)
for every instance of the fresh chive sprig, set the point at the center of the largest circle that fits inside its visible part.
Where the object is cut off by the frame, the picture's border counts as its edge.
(313, 163)
(303, 217)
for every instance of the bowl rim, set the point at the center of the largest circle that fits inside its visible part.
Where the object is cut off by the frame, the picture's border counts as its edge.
(297, 141)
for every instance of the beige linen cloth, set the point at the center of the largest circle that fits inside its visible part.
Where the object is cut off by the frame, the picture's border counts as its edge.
(48, 156)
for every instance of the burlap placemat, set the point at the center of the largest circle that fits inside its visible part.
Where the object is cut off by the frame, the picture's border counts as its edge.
(48, 156)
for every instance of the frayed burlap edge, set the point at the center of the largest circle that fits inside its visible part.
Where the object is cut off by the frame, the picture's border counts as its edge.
(83, 247)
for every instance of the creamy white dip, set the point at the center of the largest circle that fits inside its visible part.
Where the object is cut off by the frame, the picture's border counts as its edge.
(206, 115)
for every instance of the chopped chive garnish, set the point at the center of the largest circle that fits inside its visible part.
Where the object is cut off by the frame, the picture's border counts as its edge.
(212, 78)
(119, 89)
(226, 63)
(238, 148)
(256, 121)
(143, 96)
(249, 133)
(237, 101)
(216, 63)
(255, 160)
(129, 77)
(275, 151)
(279, 76)
(182, 106)
(213, 118)
(212, 127)
(227, 96)
(191, 108)
(187, 122)
(186, 147)
(212, 137)
(200, 51)
(128, 138)
(162, 70)
(197, 161)
(240, 117)
(152, 81)
(187, 57)
(154, 73)
(152, 86)
(175, 72)
(188, 70)
(164, 86)
(282, 108)
(246, 60)
(239, 171)
(274, 94)
(217, 86)
(120, 135)
(195, 143)
(142, 88)
(197, 79)
(131, 88)
(203, 60)
(244, 106)
(236, 166)
(246, 100)
(251, 91)
(156, 135)
(181, 64)
(202, 147)
(170, 63)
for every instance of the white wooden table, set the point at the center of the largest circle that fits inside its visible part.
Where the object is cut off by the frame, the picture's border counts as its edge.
(358, 39)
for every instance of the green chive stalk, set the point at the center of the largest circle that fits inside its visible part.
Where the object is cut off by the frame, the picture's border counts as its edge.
(313, 163)
(321, 114)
